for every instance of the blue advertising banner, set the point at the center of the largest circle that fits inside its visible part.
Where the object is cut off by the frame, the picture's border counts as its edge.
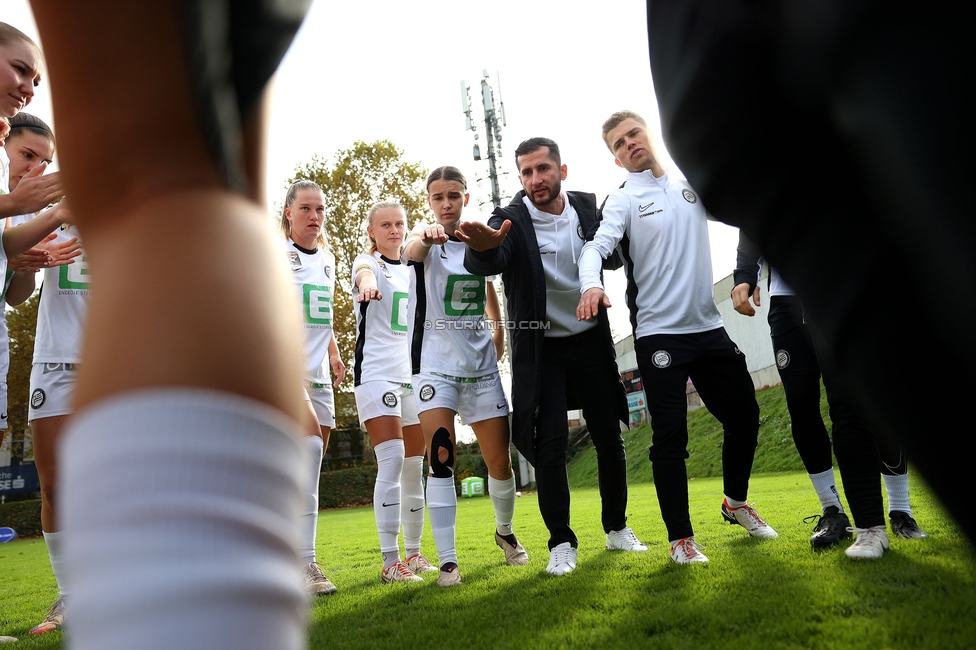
(19, 479)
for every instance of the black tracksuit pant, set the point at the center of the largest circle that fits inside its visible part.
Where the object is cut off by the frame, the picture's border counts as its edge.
(718, 370)
(576, 370)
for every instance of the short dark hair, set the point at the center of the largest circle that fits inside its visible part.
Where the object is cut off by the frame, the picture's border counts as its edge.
(447, 173)
(534, 144)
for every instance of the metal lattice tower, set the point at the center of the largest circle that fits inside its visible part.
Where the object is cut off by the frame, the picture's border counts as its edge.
(494, 113)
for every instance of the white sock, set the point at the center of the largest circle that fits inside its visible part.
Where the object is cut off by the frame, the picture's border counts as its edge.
(825, 483)
(502, 495)
(412, 503)
(55, 551)
(897, 489)
(733, 503)
(442, 508)
(386, 496)
(180, 511)
(309, 517)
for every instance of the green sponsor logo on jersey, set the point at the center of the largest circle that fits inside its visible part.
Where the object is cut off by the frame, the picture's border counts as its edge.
(318, 304)
(465, 295)
(399, 321)
(75, 276)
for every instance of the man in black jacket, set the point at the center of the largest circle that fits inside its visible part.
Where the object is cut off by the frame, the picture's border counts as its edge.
(558, 362)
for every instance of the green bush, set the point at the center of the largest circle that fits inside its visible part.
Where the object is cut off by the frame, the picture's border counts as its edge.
(347, 488)
(22, 516)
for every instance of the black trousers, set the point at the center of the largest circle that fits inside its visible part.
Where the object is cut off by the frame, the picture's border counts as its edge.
(860, 454)
(796, 361)
(718, 369)
(576, 370)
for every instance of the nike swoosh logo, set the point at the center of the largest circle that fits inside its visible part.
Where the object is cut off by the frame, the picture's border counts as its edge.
(416, 509)
(387, 505)
(501, 406)
(3, 417)
(641, 208)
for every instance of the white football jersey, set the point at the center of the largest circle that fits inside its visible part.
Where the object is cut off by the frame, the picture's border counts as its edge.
(661, 227)
(4, 171)
(63, 309)
(314, 278)
(4, 336)
(449, 333)
(381, 325)
(7, 275)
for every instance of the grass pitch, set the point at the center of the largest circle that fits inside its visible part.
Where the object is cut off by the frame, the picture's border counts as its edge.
(754, 593)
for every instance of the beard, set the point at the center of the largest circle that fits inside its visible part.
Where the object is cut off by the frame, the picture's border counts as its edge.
(552, 196)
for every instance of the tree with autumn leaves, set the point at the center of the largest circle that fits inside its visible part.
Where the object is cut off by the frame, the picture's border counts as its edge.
(21, 324)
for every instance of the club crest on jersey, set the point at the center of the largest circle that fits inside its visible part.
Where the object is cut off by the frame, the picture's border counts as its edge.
(782, 359)
(426, 393)
(661, 359)
(389, 399)
(689, 196)
(295, 260)
(38, 398)
(328, 271)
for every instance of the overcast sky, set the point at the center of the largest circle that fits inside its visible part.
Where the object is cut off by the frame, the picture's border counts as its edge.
(391, 69)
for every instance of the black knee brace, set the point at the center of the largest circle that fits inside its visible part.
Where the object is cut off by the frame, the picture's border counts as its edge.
(441, 439)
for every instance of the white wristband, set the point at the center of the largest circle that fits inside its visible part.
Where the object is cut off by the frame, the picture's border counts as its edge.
(426, 245)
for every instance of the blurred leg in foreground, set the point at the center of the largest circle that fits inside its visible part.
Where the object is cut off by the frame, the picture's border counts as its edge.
(180, 471)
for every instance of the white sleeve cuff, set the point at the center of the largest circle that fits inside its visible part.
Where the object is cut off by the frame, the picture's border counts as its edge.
(590, 264)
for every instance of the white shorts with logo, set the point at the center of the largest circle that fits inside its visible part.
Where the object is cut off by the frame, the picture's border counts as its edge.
(323, 403)
(473, 398)
(386, 398)
(52, 387)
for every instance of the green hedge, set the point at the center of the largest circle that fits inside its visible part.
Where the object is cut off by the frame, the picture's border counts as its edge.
(22, 516)
(352, 487)
(344, 488)
(347, 488)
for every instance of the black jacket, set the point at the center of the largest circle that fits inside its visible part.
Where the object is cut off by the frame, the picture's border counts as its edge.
(519, 263)
(747, 256)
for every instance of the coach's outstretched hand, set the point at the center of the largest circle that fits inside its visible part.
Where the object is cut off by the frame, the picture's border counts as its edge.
(480, 236)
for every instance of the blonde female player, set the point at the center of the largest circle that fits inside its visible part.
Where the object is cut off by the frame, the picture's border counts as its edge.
(384, 396)
(313, 272)
(455, 370)
(189, 403)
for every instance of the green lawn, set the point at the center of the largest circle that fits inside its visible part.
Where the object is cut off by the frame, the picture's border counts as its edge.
(769, 594)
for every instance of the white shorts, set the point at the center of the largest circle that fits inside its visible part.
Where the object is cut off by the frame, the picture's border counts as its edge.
(385, 398)
(3, 405)
(323, 403)
(52, 387)
(473, 398)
